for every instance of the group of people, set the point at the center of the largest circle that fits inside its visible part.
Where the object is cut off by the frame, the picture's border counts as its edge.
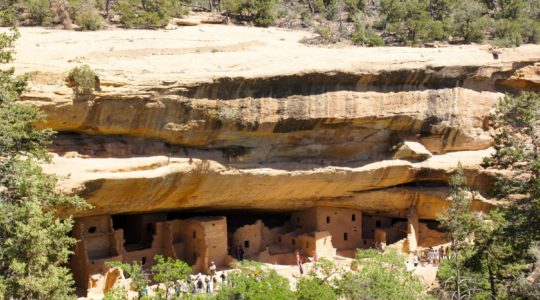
(432, 256)
(199, 284)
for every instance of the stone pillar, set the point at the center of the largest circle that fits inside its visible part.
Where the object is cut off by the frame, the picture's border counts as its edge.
(412, 229)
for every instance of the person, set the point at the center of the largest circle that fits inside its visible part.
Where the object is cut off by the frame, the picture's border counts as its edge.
(299, 263)
(214, 282)
(208, 284)
(145, 291)
(408, 266)
(199, 283)
(224, 278)
(441, 253)
(177, 288)
(241, 252)
(212, 268)
(237, 252)
(315, 259)
(193, 286)
(430, 255)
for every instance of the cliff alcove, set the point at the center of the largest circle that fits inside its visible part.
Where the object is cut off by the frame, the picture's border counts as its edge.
(269, 144)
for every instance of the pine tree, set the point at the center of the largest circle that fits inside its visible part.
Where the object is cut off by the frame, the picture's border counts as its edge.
(460, 223)
(516, 229)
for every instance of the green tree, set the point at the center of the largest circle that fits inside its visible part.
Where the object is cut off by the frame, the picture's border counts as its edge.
(254, 281)
(410, 21)
(261, 12)
(148, 14)
(87, 14)
(167, 271)
(516, 229)
(467, 20)
(135, 272)
(318, 285)
(460, 223)
(380, 276)
(34, 242)
(82, 79)
(518, 21)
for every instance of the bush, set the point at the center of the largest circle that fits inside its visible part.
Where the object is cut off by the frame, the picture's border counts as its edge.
(116, 293)
(326, 34)
(355, 5)
(467, 21)
(148, 14)
(261, 12)
(37, 12)
(313, 288)
(410, 21)
(88, 17)
(508, 33)
(380, 276)
(82, 79)
(366, 37)
(255, 281)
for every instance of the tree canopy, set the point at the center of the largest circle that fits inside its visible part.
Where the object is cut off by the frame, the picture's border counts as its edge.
(34, 242)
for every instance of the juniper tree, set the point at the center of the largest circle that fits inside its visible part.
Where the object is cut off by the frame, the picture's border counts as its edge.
(34, 242)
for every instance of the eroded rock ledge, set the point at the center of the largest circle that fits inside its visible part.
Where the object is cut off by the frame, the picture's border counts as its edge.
(225, 117)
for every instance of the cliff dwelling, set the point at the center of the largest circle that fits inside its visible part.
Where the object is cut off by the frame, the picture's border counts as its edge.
(201, 237)
(233, 142)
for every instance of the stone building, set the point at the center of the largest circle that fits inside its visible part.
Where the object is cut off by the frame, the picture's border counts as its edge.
(198, 241)
(343, 224)
(326, 231)
(321, 230)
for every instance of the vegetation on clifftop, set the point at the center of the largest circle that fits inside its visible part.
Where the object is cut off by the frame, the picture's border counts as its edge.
(368, 23)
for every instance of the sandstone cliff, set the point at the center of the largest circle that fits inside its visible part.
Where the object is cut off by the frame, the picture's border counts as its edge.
(224, 117)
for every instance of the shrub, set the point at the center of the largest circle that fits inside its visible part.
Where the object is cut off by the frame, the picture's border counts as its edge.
(261, 12)
(314, 288)
(37, 12)
(508, 33)
(327, 34)
(133, 271)
(82, 79)
(318, 6)
(255, 281)
(116, 293)
(410, 21)
(148, 14)
(88, 17)
(380, 276)
(354, 5)
(366, 37)
(467, 21)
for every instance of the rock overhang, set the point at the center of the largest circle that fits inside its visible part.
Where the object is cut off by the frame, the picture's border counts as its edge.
(217, 117)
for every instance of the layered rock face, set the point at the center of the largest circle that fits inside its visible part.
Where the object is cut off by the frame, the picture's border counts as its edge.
(220, 117)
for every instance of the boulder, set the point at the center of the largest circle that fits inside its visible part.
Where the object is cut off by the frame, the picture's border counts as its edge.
(412, 151)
